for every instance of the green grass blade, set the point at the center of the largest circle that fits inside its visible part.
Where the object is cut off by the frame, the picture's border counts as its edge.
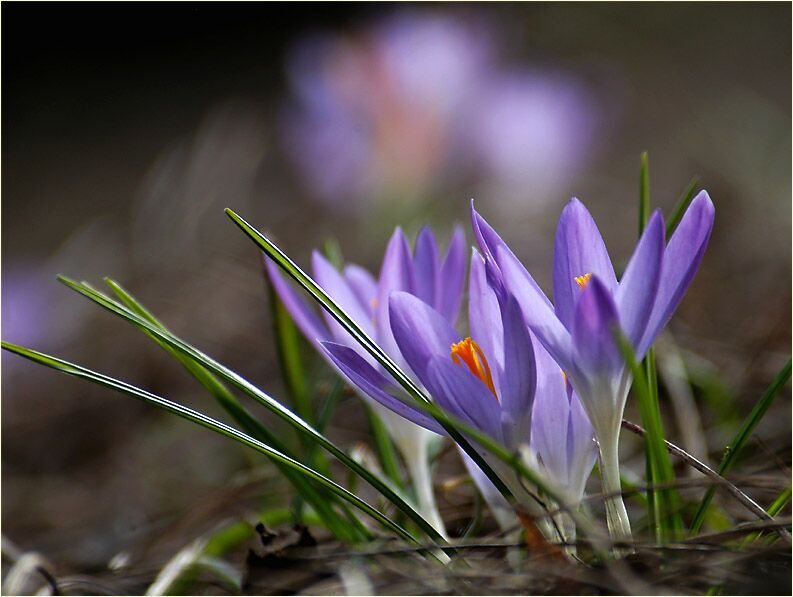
(264, 399)
(644, 193)
(209, 423)
(666, 522)
(665, 503)
(384, 447)
(736, 446)
(327, 303)
(287, 341)
(681, 206)
(333, 253)
(775, 508)
(321, 501)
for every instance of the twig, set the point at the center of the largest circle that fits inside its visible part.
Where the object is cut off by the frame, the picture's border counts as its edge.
(703, 468)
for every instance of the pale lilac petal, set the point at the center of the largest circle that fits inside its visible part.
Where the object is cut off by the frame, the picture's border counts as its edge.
(518, 379)
(578, 250)
(458, 392)
(491, 245)
(594, 326)
(637, 290)
(549, 423)
(307, 321)
(502, 511)
(537, 311)
(488, 239)
(452, 277)
(583, 449)
(484, 316)
(681, 260)
(420, 332)
(426, 267)
(363, 285)
(329, 278)
(372, 383)
(396, 273)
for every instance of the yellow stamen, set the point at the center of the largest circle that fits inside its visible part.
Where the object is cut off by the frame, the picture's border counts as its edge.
(467, 351)
(582, 281)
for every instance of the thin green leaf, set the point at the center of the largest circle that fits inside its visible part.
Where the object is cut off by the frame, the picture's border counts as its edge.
(736, 446)
(644, 193)
(327, 303)
(258, 395)
(384, 446)
(333, 252)
(287, 342)
(775, 508)
(665, 502)
(681, 206)
(209, 423)
(351, 530)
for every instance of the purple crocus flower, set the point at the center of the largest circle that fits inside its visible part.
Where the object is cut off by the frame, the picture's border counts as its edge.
(561, 438)
(489, 383)
(578, 330)
(423, 273)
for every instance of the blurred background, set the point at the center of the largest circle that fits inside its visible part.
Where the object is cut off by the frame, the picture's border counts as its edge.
(128, 128)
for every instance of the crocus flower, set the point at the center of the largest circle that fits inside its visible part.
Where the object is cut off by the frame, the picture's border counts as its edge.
(561, 437)
(578, 330)
(375, 113)
(489, 383)
(365, 299)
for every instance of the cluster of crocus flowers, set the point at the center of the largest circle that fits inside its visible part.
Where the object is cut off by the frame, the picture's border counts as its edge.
(544, 379)
(423, 272)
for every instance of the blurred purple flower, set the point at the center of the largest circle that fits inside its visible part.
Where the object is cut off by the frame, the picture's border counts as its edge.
(26, 298)
(532, 133)
(417, 100)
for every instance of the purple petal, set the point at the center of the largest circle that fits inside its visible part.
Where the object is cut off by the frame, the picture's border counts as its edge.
(491, 245)
(452, 277)
(461, 394)
(484, 316)
(420, 332)
(550, 417)
(537, 311)
(488, 239)
(426, 266)
(637, 290)
(594, 325)
(681, 260)
(363, 285)
(499, 506)
(339, 290)
(583, 449)
(578, 250)
(518, 379)
(305, 319)
(396, 273)
(372, 383)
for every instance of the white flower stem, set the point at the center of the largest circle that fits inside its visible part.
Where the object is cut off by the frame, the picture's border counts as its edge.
(616, 515)
(418, 466)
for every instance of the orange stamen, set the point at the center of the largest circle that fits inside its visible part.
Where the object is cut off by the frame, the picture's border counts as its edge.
(582, 281)
(467, 351)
